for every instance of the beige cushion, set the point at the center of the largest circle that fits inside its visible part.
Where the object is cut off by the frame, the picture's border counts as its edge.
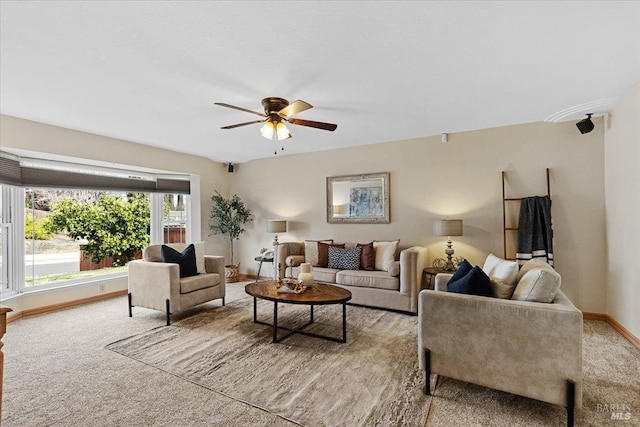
(324, 274)
(385, 253)
(367, 279)
(531, 264)
(503, 275)
(537, 285)
(200, 281)
(311, 250)
(394, 268)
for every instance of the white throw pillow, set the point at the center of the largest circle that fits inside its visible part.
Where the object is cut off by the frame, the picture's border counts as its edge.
(385, 253)
(530, 265)
(538, 285)
(394, 269)
(503, 275)
(311, 251)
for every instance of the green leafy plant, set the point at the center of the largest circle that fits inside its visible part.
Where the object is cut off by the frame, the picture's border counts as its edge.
(39, 229)
(228, 216)
(114, 226)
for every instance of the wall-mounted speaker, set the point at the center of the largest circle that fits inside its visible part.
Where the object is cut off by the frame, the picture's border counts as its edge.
(585, 125)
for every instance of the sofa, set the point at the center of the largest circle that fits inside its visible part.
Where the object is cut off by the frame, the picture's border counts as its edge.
(392, 282)
(157, 285)
(518, 345)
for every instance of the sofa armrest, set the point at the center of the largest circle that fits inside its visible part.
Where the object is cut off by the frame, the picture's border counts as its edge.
(441, 281)
(214, 264)
(151, 283)
(525, 348)
(280, 258)
(412, 263)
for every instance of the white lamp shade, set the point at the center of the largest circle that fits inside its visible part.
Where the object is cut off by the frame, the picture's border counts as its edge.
(276, 226)
(267, 130)
(282, 132)
(447, 227)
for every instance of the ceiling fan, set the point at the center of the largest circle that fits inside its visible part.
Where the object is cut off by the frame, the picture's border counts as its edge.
(276, 112)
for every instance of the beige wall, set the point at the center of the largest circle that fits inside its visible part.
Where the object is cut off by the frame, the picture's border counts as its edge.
(429, 179)
(622, 190)
(461, 178)
(34, 136)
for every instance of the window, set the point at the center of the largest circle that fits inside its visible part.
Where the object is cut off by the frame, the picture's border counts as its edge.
(73, 235)
(52, 235)
(174, 218)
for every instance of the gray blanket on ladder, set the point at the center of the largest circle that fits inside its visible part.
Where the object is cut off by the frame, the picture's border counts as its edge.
(535, 236)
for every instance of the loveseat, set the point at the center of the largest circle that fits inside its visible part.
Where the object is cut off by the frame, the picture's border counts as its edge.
(393, 282)
(520, 346)
(157, 285)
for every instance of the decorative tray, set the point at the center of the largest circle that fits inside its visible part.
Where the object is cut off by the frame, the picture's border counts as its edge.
(290, 286)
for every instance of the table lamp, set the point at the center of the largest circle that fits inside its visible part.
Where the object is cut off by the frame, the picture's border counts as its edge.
(276, 226)
(448, 227)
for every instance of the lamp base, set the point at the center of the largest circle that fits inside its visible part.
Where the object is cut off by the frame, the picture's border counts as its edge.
(449, 251)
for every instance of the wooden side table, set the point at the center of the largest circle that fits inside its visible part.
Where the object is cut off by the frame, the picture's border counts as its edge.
(429, 274)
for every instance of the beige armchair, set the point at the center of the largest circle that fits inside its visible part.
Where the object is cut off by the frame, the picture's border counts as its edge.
(158, 286)
(531, 349)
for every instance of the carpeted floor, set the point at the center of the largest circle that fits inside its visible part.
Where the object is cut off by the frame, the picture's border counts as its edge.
(372, 379)
(58, 372)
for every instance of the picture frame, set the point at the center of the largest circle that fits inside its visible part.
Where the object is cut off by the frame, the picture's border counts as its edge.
(358, 199)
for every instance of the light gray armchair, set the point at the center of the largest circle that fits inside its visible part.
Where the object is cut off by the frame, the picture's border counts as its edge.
(531, 349)
(158, 286)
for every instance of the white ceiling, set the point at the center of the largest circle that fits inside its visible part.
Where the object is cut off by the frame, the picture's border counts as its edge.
(149, 72)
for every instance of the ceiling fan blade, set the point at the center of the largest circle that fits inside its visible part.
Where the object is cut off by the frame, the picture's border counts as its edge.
(222, 104)
(241, 124)
(312, 124)
(294, 108)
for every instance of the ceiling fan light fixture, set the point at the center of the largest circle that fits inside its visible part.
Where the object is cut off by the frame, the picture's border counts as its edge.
(282, 132)
(267, 130)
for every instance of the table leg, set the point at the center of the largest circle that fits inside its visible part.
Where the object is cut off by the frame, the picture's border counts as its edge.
(259, 268)
(275, 321)
(255, 310)
(344, 322)
(311, 312)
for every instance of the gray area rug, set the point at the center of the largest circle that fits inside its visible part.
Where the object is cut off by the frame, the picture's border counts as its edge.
(370, 380)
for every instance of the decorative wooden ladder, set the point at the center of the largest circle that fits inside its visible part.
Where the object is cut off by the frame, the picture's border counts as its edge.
(506, 200)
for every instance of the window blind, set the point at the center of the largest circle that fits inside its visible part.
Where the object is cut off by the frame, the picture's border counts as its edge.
(13, 173)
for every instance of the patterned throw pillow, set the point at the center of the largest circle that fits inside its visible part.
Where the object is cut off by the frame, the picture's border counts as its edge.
(323, 252)
(344, 259)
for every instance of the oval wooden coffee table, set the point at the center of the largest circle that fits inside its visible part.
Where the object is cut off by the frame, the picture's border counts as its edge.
(316, 294)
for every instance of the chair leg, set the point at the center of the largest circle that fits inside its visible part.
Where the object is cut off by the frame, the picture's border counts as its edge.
(168, 312)
(427, 369)
(571, 402)
(223, 301)
(130, 311)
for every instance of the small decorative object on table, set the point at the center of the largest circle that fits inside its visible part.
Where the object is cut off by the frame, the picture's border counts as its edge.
(290, 286)
(305, 277)
(439, 264)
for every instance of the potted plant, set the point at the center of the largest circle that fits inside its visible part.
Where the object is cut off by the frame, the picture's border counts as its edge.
(228, 217)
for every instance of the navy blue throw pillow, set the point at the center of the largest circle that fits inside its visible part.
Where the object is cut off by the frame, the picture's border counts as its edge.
(475, 282)
(463, 269)
(186, 260)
